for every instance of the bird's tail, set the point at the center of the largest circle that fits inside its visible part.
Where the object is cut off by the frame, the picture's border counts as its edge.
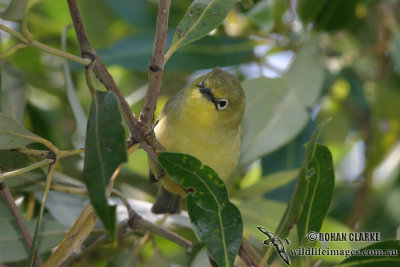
(167, 202)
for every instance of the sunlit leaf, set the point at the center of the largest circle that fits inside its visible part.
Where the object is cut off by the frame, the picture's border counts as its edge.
(278, 109)
(272, 118)
(105, 151)
(216, 221)
(13, 135)
(321, 183)
(201, 17)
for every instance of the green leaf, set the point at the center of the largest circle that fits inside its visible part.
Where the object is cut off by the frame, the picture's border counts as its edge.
(277, 109)
(310, 9)
(321, 179)
(258, 211)
(105, 151)
(392, 258)
(76, 107)
(13, 89)
(137, 13)
(295, 207)
(65, 208)
(16, 10)
(158, 259)
(272, 118)
(13, 135)
(212, 51)
(201, 17)
(261, 15)
(215, 220)
(134, 52)
(394, 46)
(306, 74)
(336, 14)
(12, 245)
(267, 184)
(10, 161)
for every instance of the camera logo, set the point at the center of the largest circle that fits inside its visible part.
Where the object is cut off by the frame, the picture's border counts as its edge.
(275, 241)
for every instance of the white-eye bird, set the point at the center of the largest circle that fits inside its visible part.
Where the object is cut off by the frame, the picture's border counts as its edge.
(202, 120)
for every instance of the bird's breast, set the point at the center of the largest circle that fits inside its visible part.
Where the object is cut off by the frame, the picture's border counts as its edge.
(216, 147)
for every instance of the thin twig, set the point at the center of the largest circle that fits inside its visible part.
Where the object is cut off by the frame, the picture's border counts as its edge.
(24, 170)
(41, 211)
(31, 42)
(12, 49)
(5, 192)
(136, 221)
(36, 153)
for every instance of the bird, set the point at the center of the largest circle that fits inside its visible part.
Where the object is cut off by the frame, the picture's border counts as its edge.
(202, 120)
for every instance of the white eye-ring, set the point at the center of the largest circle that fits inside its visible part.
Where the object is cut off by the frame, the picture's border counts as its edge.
(222, 103)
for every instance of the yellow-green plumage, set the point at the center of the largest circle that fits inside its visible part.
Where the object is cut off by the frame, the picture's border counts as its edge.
(202, 120)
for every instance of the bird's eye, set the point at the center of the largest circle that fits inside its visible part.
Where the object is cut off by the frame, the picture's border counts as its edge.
(222, 104)
(200, 85)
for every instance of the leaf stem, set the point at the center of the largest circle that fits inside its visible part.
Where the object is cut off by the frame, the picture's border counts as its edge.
(31, 42)
(39, 220)
(12, 49)
(5, 192)
(7, 175)
(68, 153)
(83, 61)
(14, 33)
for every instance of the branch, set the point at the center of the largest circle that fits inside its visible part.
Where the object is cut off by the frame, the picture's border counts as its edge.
(248, 254)
(156, 65)
(138, 133)
(5, 192)
(100, 70)
(136, 222)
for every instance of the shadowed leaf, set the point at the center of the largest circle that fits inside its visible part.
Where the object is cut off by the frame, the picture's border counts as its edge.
(16, 10)
(321, 179)
(295, 207)
(391, 256)
(13, 135)
(105, 151)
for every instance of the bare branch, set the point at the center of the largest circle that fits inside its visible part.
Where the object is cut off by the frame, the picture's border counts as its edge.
(5, 192)
(156, 65)
(138, 133)
(100, 70)
(138, 222)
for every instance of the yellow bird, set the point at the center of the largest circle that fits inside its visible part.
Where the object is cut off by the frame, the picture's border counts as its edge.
(202, 120)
